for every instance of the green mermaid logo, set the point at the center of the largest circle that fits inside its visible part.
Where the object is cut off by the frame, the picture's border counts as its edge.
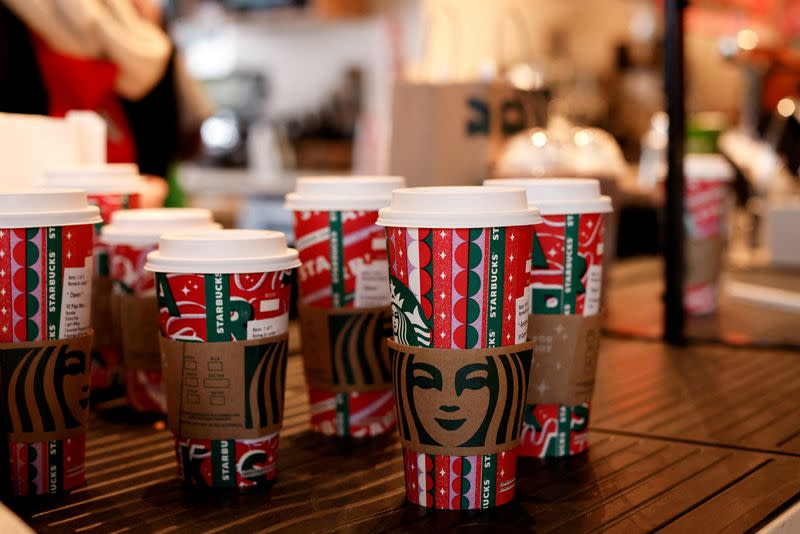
(473, 400)
(408, 324)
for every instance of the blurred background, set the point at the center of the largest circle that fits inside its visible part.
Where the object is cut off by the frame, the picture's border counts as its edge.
(228, 101)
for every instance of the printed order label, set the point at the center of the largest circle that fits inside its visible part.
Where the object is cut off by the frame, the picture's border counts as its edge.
(75, 300)
(594, 281)
(372, 285)
(273, 326)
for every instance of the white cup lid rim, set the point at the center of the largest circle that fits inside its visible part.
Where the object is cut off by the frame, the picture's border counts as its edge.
(22, 207)
(222, 251)
(458, 207)
(557, 195)
(335, 193)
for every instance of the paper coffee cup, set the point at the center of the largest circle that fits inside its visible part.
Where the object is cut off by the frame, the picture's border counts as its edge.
(459, 261)
(131, 236)
(707, 177)
(45, 296)
(220, 287)
(110, 187)
(566, 283)
(343, 265)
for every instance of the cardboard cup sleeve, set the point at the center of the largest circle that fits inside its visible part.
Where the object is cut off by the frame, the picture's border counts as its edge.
(225, 390)
(460, 402)
(46, 388)
(102, 321)
(565, 358)
(704, 260)
(139, 331)
(344, 349)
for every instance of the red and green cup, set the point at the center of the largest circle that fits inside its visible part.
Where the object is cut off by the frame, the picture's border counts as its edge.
(130, 237)
(45, 295)
(110, 187)
(566, 280)
(343, 265)
(216, 287)
(707, 193)
(459, 259)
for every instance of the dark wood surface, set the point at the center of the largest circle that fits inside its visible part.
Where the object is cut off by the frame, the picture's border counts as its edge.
(700, 439)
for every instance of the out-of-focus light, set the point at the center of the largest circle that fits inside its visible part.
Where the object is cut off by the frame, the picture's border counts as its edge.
(525, 77)
(539, 139)
(582, 137)
(727, 46)
(212, 57)
(220, 132)
(643, 23)
(786, 107)
(660, 122)
(747, 39)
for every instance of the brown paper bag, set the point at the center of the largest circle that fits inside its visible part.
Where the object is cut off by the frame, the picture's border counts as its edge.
(450, 133)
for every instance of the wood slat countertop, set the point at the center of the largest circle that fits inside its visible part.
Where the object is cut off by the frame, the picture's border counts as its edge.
(700, 439)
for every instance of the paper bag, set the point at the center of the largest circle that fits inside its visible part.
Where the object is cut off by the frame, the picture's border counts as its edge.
(450, 133)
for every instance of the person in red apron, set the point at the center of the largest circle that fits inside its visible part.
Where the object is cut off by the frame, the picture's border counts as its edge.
(109, 56)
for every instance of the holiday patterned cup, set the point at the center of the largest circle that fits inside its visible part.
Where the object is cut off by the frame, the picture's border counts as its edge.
(459, 283)
(130, 237)
(707, 178)
(566, 279)
(45, 294)
(144, 388)
(207, 306)
(110, 187)
(343, 265)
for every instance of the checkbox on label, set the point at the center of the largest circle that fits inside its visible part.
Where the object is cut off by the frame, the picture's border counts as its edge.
(217, 383)
(269, 305)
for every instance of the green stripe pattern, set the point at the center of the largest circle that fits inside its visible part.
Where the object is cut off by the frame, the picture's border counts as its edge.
(337, 259)
(55, 461)
(218, 313)
(342, 414)
(570, 262)
(54, 281)
(223, 463)
(488, 480)
(495, 295)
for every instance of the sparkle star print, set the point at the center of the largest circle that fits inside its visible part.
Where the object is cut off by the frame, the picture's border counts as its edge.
(460, 289)
(343, 257)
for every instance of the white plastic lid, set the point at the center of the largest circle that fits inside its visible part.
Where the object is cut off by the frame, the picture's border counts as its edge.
(122, 178)
(143, 227)
(707, 167)
(560, 196)
(32, 208)
(458, 207)
(222, 251)
(343, 192)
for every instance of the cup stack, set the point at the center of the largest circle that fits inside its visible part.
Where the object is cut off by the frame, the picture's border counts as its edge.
(459, 262)
(110, 187)
(224, 313)
(45, 336)
(130, 237)
(566, 284)
(344, 302)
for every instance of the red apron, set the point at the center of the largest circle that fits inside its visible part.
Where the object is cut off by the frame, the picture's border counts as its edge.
(74, 83)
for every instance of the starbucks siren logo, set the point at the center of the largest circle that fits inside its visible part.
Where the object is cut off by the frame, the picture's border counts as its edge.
(407, 322)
